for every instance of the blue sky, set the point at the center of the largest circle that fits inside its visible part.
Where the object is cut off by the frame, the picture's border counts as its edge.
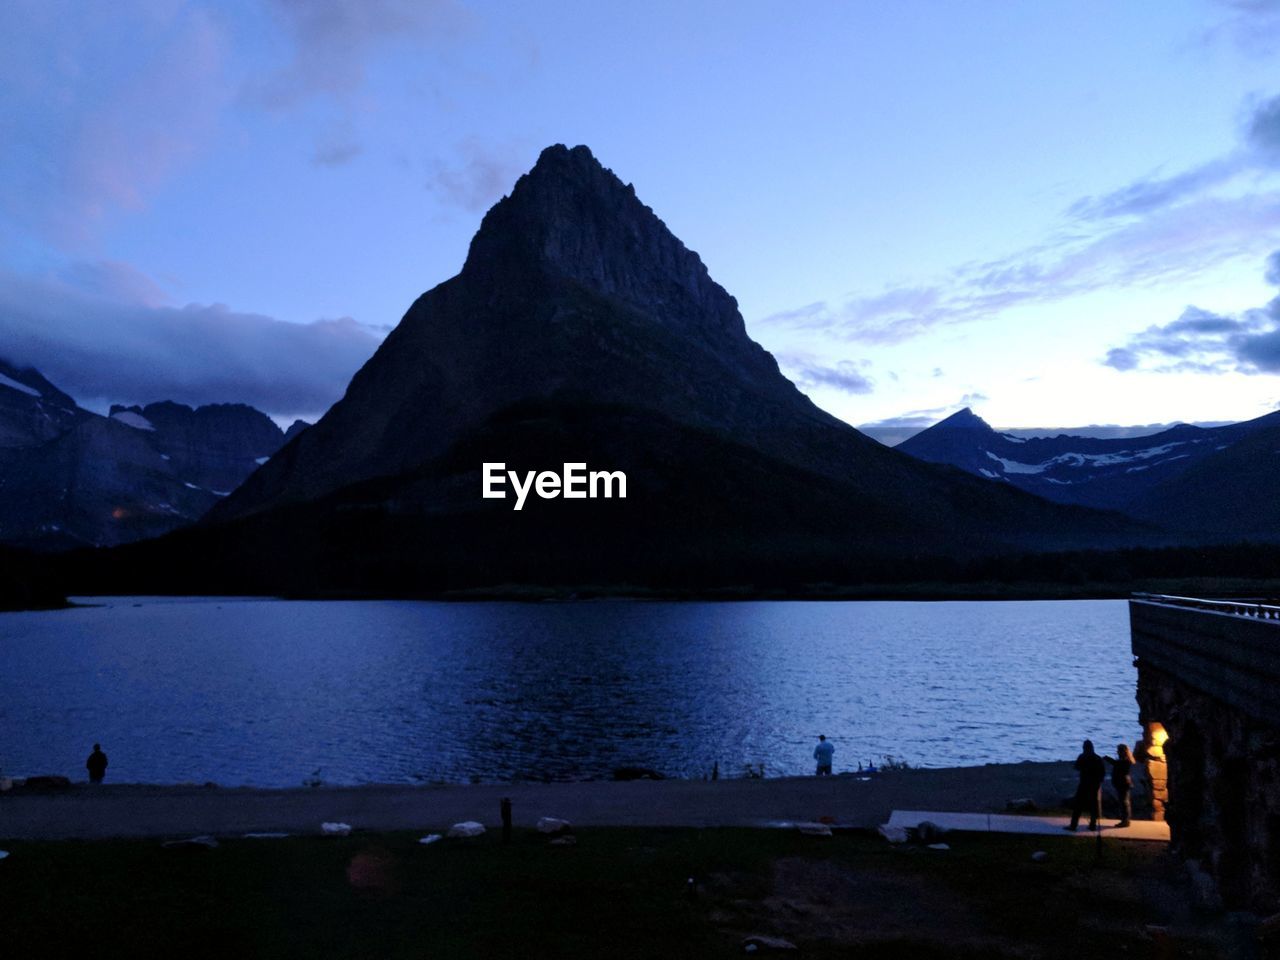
(1056, 213)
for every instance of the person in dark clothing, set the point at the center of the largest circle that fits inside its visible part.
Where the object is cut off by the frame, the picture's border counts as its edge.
(96, 764)
(1122, 781)
(1089, 791)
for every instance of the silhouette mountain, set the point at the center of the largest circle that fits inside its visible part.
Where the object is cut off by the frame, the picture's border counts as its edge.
(1216, 482)
(1230, 493)
(70, 477)
(581, 330)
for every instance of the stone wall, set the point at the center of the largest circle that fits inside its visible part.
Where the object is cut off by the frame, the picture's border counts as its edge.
(1223, 793)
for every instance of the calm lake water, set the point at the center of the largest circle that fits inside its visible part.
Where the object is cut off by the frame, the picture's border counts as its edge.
(273, 693)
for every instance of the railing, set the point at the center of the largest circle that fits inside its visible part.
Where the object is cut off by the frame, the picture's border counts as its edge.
(1239, 608)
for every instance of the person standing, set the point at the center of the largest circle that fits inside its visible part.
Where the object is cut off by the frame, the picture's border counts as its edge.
(823, 753)
(1089, 790)
(96, 764)
(1122, 781)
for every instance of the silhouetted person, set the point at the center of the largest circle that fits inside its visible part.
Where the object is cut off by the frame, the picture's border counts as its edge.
(1089, 792)
(1122, 781)
(96, 764)
(823, 753)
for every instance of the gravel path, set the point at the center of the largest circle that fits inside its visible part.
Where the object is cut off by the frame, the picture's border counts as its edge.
(158, 811)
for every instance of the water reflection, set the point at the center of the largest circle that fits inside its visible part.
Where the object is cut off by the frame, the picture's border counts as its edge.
(269, 692)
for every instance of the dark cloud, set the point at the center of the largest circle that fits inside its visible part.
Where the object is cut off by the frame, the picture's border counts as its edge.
(844, 375)
(1272, 272)
(1264, 129)
(100, 332)
(1121, 358)
(1201, 341)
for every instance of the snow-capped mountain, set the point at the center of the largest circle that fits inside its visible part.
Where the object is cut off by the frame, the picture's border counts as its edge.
(1116, 473)
(70, 477)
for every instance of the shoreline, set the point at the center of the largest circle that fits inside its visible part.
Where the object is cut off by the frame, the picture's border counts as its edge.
(116, 811)
(920, 591)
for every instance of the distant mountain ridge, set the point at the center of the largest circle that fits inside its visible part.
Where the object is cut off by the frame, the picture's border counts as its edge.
(70, 477)
(1157, 478)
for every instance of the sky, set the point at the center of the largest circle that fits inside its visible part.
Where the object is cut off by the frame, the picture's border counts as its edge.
(1057, 214)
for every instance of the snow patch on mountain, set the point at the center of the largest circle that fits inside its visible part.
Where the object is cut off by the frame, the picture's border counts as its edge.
(1088, 459)
(1013, 466)
(135, 420)
(20, 387)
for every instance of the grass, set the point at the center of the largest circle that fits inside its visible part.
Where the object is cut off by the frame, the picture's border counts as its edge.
(619, 893)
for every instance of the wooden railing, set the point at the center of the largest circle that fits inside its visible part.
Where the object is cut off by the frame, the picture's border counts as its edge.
(1240, 608)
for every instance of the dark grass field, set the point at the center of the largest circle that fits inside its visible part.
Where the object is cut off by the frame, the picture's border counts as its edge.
(619, 893)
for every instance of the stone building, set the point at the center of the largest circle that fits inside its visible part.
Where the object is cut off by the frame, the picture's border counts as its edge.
(1209, 704)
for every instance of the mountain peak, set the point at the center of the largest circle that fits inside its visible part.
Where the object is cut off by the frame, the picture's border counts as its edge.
(964, 419)
(572, 219)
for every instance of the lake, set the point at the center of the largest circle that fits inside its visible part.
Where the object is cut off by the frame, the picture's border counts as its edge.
(275, 693)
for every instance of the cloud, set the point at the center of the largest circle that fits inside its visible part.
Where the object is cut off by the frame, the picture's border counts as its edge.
(1157, 229)
(99, 106)
(339, 145)
(1170, 244)
(99, 332)
(1254, 25)
(1150, 193)
(481, 175)
(1259, 151)
(1201, 341)
(1263, 130)
(334, 42)
(843, 375)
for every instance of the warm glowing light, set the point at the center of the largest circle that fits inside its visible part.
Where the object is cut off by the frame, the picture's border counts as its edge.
(1158, 734)
(119, 513)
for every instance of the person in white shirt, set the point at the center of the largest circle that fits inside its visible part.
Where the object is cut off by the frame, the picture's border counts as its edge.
(823, 753)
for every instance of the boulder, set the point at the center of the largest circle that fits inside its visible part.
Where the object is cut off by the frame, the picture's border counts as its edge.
(467, 828)
(929, 832)
(892, 834)
(553, 825)
(429, 839)
(335, 829)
